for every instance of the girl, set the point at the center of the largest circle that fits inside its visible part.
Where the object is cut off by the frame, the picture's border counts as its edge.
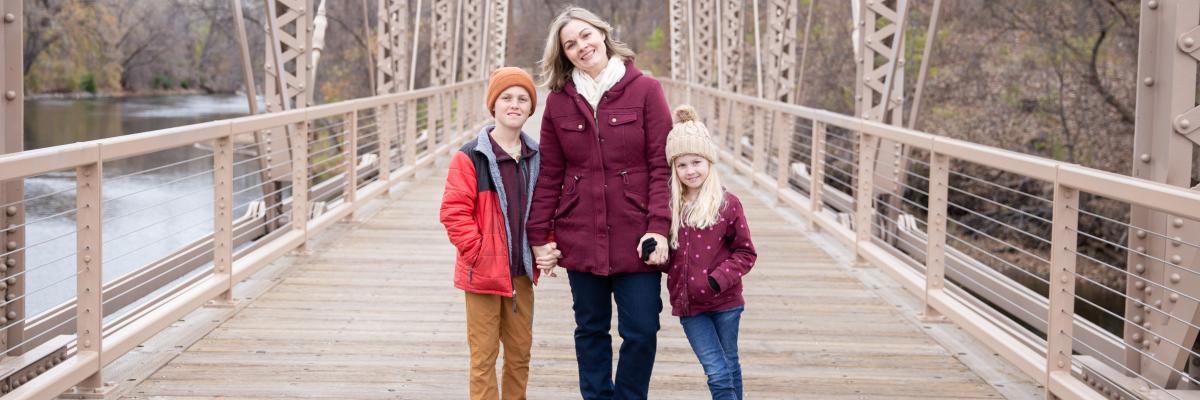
(484, 209)
(710, 252)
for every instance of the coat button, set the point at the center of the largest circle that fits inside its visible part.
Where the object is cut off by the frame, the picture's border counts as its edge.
(579, 127)
(614, 120)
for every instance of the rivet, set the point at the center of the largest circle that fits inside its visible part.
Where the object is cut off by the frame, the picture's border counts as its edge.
(1139, 285)
(1149, 291)
(1176, 241)
(10, 95)
(11, 315)
(1176, 259)
(1064, 279)
(10, 296)
(1140, 249)
(1139, 268)
(1153, 4)
(1061, 364)
(1157, 340)
(87, 259)
(1188, 42)
(12, 245)
(1141, 234)
(1145, 343)
(1148, 81)
(9, 18)
(1174, 297)
(1137, 319)
(1158, 304)
(11, 210)
(1178, 222)
(87, 344)
(1184, 124)
(1137, 305)
(12, 280)
(1145, 157)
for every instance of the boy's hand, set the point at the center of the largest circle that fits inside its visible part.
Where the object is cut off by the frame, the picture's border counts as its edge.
(660, 254)
(546, 257)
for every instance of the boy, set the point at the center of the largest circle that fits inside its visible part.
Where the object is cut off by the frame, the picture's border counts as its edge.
(484, 208)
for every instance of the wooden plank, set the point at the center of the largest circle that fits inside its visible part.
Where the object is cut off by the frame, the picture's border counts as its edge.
(373, 314)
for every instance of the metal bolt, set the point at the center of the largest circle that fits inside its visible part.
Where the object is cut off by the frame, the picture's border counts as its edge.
(11, 210)
(1174, 297)
(1175, 277)
(10, 296)
(1139, 285)
(1188, 42)
(1145, 157)
(1141, 234)
(1137, 319)
(1152, 4)
(1178, 222)
(1061, 364)
(12, 280)
(1184, 124)
(1149, 291)
(1148, 81)
(87, 259)
(10, 95)
(12, 262)
(12, 315)
(1176, 259)
(12, 245)
(1158, 304)
(1145, 343)
(9, 18)
(87, 344)
(1139, 268)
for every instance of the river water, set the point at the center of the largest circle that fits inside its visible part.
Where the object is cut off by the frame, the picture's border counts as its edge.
(147, 214)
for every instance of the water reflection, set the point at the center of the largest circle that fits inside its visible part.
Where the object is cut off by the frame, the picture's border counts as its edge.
(147, 215)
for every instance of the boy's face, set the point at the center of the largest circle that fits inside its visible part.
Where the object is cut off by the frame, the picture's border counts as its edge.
(691, 170)
(513, 107)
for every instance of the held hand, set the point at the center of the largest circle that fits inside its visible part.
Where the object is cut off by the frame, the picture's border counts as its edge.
(546, 257)
(659, 256)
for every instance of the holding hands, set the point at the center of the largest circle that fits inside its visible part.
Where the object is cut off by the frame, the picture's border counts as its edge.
(660, 253)
(546, 257)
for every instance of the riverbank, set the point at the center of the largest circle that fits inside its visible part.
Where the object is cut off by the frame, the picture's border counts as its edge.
(121, 95)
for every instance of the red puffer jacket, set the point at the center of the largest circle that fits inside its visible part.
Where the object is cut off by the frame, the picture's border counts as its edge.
(473, 212)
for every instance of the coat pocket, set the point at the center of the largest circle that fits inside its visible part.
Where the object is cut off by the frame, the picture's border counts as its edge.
(638, 201)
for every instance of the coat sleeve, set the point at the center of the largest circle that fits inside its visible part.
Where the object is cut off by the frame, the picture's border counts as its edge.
(458, 205)
(737, 237)
(549, 183)
(658, 125)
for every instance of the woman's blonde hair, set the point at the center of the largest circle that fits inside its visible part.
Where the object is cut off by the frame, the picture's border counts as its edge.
(556, 68)
(700, 213)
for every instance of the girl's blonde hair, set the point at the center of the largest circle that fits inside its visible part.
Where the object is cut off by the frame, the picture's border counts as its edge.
(700, 213)
(556, 68)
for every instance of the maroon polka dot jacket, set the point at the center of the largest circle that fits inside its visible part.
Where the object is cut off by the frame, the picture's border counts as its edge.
(722, 251)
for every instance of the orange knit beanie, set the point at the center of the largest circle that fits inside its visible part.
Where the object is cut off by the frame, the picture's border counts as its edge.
(506, 77)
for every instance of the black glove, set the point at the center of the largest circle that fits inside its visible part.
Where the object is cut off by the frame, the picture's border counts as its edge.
(713, 284)
(648, 247)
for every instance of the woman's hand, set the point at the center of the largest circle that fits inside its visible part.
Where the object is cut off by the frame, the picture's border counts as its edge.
(546, 257)
(659, 256)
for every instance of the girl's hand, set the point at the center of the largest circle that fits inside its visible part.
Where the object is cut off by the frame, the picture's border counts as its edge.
(661, 252)
(546, 257)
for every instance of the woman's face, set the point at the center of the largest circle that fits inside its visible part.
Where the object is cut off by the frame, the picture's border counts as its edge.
(583, 44)
(691, 170)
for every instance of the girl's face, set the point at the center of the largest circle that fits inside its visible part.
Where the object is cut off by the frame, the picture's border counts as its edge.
(691, 170)
(583, 44)
(513, 107)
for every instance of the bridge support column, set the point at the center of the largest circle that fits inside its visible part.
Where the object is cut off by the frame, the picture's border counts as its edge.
(1061, 318)
(12, 193)
(935, 224)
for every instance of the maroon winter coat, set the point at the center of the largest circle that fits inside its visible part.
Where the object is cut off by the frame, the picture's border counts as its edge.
(603, 182)
(723, 251)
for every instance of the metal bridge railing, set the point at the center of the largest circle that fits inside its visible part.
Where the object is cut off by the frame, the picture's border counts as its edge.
(1025, 253)
(136, 260)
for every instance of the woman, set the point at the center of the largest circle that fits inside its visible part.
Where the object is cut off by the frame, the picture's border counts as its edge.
(601, 193)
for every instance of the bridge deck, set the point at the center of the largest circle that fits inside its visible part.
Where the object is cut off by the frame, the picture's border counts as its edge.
(371, 313)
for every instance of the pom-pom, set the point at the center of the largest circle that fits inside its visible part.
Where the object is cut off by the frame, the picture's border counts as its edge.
(685, 113)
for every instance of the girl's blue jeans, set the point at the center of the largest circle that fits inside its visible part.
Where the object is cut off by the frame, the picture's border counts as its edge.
(713, 336)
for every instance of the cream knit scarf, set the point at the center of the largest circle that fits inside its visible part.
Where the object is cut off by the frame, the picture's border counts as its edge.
(593, 89)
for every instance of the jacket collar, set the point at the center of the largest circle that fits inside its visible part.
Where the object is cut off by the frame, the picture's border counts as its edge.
(483, 143)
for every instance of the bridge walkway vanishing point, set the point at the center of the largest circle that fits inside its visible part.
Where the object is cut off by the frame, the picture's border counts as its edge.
(370, 312)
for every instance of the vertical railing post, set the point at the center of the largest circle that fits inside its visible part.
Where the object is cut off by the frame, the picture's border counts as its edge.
(350, 153)
(459, 118)
(410, 131)
(935, 224)
(817, 184)
(864, 195)
(385, 127)
(756, 153)
(734, 134)
(223, 215)
(1063, 239)
(89, 312)
(300, 211)
(783, 151)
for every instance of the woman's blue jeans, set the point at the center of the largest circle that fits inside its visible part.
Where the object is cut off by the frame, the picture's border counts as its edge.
(713, 336)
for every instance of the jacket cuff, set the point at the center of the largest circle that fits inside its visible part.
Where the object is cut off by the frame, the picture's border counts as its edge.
(660, 227)
(725, 279)
(538, 237)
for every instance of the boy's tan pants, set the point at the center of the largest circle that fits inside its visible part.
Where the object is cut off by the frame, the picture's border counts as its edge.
(490, 322)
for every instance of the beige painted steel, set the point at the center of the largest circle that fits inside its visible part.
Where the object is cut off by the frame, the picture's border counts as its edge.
(12, 191)
(677, 11)
(474, 39)
(89, 315)
(497, 36)
(1063, 241)
(731, 44)
(390, 275)
(223, 213)
(936, 220)
(392, 60)
(441, 42)
(288, 30)
(350, 154)
(817, 166)
(779, 60)
(704, 54)
(1162, 152)
(808, 17)
(881, 85)
(926, 54)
